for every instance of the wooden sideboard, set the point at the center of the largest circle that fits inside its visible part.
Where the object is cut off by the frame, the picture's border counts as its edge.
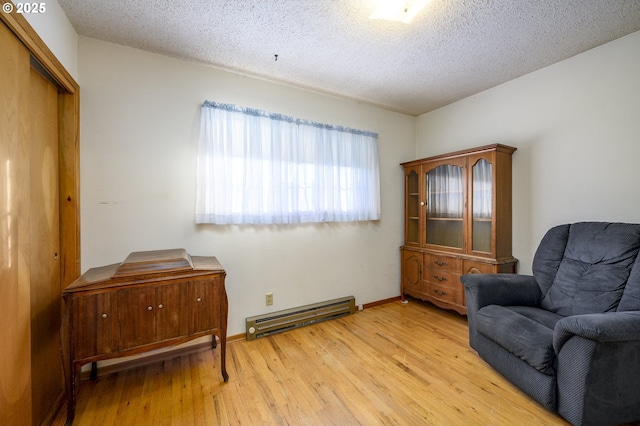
(152, 300)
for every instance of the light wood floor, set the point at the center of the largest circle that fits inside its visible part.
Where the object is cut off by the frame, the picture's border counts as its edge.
(392, 364)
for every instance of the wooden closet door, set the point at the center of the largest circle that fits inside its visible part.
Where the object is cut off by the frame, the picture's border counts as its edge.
(30, 303)
(15, 356)
(46, 304)
(39, 157)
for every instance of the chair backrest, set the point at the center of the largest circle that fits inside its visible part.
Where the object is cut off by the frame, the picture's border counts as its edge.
(631, 297)
(584, 267)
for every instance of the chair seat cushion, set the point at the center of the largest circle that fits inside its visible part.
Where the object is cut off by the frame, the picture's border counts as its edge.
(526, 332)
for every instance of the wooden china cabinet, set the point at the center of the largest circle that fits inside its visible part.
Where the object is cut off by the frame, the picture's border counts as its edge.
(457, 221)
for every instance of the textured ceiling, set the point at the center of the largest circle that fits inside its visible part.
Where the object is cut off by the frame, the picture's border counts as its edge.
(453, 48)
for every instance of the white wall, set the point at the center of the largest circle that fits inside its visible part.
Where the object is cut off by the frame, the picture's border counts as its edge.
(56, 31)
(576, 125)
(139, 131)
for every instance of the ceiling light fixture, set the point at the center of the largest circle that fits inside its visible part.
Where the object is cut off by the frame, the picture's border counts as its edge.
(398, 10)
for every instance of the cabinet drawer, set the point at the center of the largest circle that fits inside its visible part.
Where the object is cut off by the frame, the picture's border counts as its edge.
(478, 268)
(441, 278)
(442, 263)
(447, 292)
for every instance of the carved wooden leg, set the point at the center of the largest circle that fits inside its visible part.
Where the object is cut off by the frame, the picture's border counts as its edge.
(94, 371)
(71, 412)
(71, 396)
(223, 358)
(223, 335)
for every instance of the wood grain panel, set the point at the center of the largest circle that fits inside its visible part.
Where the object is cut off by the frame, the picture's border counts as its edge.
(172, 300)
(15, 356)
(69, 184)
(29, 175)
(136, 317)
(96, 325)
(69, 133)
(412, 271)
(205, 304)
(46, 360)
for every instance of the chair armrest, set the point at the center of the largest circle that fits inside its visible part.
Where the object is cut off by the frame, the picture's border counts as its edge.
(598, 362)
(501, 289)
(605, 327)
(496, 289)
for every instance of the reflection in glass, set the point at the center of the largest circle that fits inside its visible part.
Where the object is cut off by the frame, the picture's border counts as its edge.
(445, 205)
(482, 205)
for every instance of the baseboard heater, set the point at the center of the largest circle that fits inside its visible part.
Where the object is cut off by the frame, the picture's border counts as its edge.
(275, 322)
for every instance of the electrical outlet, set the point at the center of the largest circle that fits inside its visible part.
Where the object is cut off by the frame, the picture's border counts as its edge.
(269, 299)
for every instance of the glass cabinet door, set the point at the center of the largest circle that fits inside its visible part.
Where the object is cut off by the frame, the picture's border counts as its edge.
(444, 186)
(412, 207)
(482, 182)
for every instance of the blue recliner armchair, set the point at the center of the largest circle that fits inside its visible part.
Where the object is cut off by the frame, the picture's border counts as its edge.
(568, 336)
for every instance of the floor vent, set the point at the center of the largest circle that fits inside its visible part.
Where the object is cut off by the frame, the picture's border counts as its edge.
(275, 322)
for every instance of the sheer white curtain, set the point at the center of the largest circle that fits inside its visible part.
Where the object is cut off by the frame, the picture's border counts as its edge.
(482, 189)
(444, 189)
(261, 168)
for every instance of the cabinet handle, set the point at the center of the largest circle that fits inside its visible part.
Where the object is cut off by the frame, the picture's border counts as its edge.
(440, 293)
(149, 308)
(160, 306)
(199, 299)
(441, 279)
(104, 315)
(422, 203)
(440, 263)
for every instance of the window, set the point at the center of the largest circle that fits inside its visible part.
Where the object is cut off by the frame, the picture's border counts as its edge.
(261, 168)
